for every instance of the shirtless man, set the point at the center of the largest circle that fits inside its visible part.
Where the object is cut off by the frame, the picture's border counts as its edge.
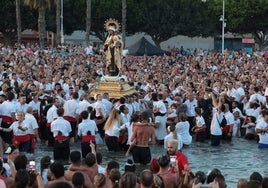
(75, 159)
(142, 136)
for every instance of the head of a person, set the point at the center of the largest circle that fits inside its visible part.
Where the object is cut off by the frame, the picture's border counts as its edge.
(111, 165)
(242, 183)
(56, 170)
(60, 111)
(75, 157)
(200, 176)
(256, 176)
(20, 162)
(99, 180)
(21, 178)
(19, 116)
(130, 166)
(128, 180)
(123, 109)
(114, 176)
(172, 147)
(90, 159)
(163, 161)
(75, 95)
(84, 114)
(134, 118)
(45, 162)
(78, 180)
(182, 116)
(146, 178)
(213, 173)
(221, 181)
(144, 116)
(197, 111)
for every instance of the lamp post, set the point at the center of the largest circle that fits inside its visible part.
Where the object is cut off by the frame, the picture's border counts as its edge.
(222, 19)
(223, 26)
(61, 22)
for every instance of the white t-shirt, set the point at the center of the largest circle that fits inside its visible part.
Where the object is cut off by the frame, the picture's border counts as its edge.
(85, 126)
(215, 128)
(263, 137)
(182, 129)
(200, 122)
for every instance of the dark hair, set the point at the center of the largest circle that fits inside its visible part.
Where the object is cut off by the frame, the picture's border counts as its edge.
(75, 156)
(134, 118)
(122, 108)
(90, 159)
(44, 163)
(60, 111)
(128, 180)
(78, 180)
(75, 95)
(130, 166)
(201, 176)
(144, 115)
(256, 176)
(122, 100)
(163, 161)
(154, 97)
(114, 176)
(20, 162)
(111, 165)
(57, 169)
(84, 114)
(146, 178)
(21, 178)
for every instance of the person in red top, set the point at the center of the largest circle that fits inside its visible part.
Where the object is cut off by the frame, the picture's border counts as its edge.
(181, 161)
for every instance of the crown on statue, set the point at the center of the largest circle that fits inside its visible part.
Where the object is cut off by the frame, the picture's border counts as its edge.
(112, 24)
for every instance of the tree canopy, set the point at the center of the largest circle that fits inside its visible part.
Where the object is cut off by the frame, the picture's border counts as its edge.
(158, 18)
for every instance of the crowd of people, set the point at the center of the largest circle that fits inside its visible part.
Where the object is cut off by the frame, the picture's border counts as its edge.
(46, 97)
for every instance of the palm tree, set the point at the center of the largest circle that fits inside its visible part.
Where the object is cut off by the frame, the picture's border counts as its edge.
(124, 20)
(88, 21)
(41, 6)
(18, 18)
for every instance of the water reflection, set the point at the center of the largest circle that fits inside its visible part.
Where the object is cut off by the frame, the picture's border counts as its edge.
(235, 161)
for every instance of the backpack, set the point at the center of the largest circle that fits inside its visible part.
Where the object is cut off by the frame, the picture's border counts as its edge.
(223, 122)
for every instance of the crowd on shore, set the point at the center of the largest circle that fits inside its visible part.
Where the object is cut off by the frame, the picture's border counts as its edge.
(46, 95)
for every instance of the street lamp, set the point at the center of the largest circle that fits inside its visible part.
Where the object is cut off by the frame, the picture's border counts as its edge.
(222, 19)
(223, 26)
(61, 22)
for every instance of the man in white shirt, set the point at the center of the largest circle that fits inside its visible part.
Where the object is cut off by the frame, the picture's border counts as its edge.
(51, 116)
(191, 104)
(227, 131)
(71, 113)
(33, 128)
(61, 130)
(87, 131)
(262, 130)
